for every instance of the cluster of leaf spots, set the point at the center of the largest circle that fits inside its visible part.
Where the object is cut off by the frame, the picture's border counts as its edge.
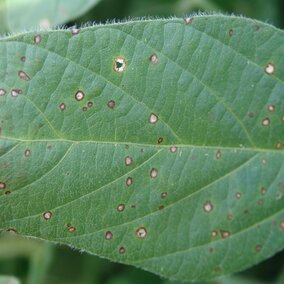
(119, 66)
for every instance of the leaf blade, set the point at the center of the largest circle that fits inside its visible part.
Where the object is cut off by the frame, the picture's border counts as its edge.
(161, 165)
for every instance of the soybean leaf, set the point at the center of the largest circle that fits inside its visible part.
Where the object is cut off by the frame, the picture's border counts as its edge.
(19, 15)
(155, 143)
(9, 280)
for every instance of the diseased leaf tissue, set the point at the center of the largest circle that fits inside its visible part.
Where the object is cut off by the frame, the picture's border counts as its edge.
(155, 143)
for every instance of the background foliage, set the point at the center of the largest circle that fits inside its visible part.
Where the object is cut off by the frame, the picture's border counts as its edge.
(36, 262)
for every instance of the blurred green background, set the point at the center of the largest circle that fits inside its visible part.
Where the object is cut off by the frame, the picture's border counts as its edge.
(35, 262)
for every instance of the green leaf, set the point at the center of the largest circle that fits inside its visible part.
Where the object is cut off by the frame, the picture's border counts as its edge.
(9, 280)
(155, 143)
(19, 15)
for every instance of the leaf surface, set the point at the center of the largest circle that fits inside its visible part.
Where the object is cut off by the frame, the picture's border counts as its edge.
(155, 143)
(20, 15)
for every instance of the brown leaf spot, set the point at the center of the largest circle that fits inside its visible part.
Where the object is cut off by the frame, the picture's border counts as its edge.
(70, 228)
(160, 140)
(214, 233)
(271, 108)
(2, 185)
(173, 149)
(122, 250)
(47, 215)
(282, 225)
(141, 233)
(79, 96)
(258, 248)
(23, 75)
(188, 20)
(37, 39)
(154, 58)
(120, 207)
(27, 152)
(75, 31)
(270, 68)
(266, 121)
(129, 181)
(62, 106)
(208, 206)
(108, 235)
(250, 114)
(119, 64)
(238, 195)
(278, 146)
(231, 32)
(263, 190)
(90, 104)
(128, 161)
(225, 234)
(153, 118)
(164, 194)
(84, 109)
(16, 92)
(153, 173)
(229, 217)
(161, 207)
(218, 155)
(23, 58)
(2, 92)
(111, 104)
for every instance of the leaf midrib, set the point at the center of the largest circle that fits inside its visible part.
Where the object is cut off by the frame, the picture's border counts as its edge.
(180, 145)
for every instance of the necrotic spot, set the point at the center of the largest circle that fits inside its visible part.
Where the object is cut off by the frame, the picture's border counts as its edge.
(2, 185)
(128, 161)
(218, 155)
(173, 149)
(154, 58)
(270, 68)
(129, 181)
(16, 92)
(2, 92)
(23, 75)
(119, 64)
(27, 152)
(47, 215)
(120, 207)
(122, 250)
(108, 235)
(79, 96)
(266, 121)
(70, 228)
(141, 233)
(153, 173)
(111, 104)
(62, 106)
(37, 39)
(164, 194)
(188, 20)
(208, 206)
(153, 118)
(271, 108)
(225, 234)
(75, 31)
(90, 104)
